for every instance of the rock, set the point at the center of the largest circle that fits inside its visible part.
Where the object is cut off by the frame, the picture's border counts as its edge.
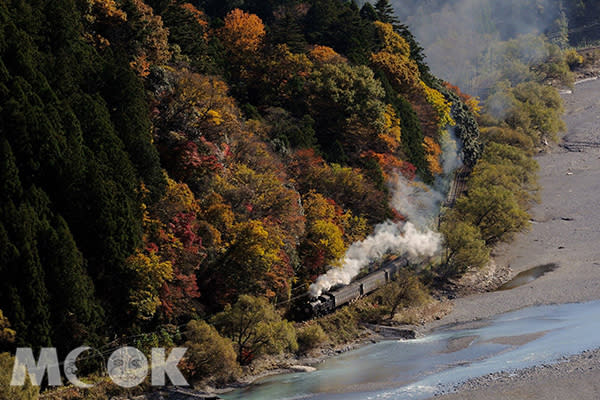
(302, 368)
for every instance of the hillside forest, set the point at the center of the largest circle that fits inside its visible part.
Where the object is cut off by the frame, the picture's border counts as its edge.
(170, 168)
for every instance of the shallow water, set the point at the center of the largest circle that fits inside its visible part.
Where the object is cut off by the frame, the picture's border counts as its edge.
(527, 276)
(417, 369)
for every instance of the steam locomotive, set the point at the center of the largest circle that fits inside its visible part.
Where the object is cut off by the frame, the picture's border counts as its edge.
(327, 302)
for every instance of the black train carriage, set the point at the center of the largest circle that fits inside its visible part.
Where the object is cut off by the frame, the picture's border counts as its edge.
(327, 302)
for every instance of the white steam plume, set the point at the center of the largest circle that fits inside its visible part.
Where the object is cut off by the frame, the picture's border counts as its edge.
(387, 236)
(420, 204)
(451, 151)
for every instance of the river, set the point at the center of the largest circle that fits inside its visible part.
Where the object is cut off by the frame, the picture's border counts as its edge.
(418, 369)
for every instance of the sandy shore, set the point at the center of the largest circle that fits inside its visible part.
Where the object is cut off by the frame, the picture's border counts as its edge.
(565, 230)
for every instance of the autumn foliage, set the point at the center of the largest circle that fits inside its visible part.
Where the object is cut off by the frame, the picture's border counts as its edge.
(243, 33)
(433, 151)
(198, 15)
(164, 162)
(325, 55)
(472, 102)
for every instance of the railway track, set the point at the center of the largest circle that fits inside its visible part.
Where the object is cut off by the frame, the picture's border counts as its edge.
(458, 186)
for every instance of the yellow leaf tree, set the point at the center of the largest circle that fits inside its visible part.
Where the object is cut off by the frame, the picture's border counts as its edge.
(403, 73)
(150, 273)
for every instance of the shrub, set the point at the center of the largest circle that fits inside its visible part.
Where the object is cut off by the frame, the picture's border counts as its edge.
(369, 311)
(164, 337)
(209, 354)
(7, 335)
(341, 326)
(465, 247)
(7, 392)
(530, 107)
(573, 58)
(495, 211)
(310, 336)
(407, 290)
(256, 328)
(510, 137)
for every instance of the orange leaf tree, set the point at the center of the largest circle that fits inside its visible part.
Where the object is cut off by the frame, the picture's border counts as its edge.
(242, 34)
(433, 152)
(325, 55)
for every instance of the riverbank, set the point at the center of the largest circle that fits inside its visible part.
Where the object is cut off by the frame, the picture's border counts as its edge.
(565, 231)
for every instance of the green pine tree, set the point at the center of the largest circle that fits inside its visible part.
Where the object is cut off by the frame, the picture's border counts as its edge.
(287, 30)
(385, 12)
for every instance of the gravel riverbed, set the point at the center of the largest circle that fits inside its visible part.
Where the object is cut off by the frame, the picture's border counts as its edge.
(566, 231)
